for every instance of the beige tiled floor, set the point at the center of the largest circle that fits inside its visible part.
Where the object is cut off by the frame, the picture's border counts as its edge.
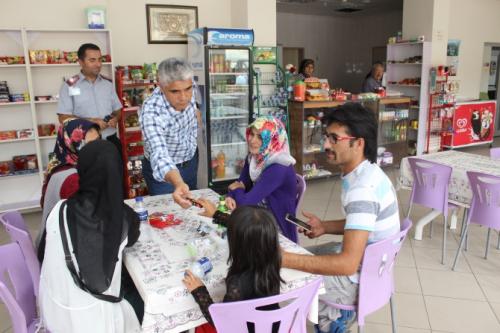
(429, 296)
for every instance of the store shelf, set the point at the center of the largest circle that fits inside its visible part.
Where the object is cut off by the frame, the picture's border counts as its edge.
(62, 65)
(13, 66)
(67, 30)
(225, 178)
(229, 94)
(48, 137)
(51, 101)
(132, 109)
(229, 144)
(392, 142)
(444, 106)
(404, 85)
(406, 43)
(228, 117)
(132, 129)
(230, 73)
(27, 174)
(14, 103)
(321, 174)
(405, 63)
(17, 140)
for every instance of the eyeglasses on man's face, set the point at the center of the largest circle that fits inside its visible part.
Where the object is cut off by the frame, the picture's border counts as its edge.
(334, 138)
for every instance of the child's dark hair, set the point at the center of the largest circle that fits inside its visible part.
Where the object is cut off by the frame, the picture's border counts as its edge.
(360, 123)
(254, 248)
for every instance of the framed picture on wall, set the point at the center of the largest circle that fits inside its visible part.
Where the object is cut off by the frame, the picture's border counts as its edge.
(169, 24)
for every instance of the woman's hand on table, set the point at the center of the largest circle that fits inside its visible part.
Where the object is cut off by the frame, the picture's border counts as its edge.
(235, 185)
(191, 281)
(209, 207)
(317, 228)
(230, 203)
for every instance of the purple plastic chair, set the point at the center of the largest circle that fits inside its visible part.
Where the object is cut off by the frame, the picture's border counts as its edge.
(484, 208)
(376, 278)
(301, 189)
(233, 316)
(21, 303)
(430, 189)
(15, 226)
(495, 153)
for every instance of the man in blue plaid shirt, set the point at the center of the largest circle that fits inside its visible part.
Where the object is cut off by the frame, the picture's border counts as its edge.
(169, 124)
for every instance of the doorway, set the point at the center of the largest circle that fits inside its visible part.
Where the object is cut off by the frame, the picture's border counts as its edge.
(292, 55)
(379, 53)
(493, 83)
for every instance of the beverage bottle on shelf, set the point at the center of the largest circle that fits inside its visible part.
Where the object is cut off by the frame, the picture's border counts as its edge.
(141, 211)
(220, 171)
(201, 267)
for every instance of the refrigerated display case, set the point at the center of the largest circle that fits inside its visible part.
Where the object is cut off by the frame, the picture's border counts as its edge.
(222, 62)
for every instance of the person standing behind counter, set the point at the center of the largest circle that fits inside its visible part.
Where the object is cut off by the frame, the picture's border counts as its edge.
(373, 80)
(306, 69)
(90, 95)
(169, 124)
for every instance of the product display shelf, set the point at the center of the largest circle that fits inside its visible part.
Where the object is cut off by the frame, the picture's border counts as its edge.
(132, 92)
(411, 61)
(270, 85)
(22, 191)
(14, 104)
(439, 118)
(307, 145)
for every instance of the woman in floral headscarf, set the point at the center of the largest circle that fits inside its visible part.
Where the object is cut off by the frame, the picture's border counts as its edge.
(268, 177)
(61, 179)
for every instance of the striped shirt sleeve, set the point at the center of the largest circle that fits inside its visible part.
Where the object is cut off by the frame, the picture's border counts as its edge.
(361, 209)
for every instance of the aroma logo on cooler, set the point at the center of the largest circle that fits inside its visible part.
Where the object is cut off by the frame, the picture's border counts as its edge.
(232, 36)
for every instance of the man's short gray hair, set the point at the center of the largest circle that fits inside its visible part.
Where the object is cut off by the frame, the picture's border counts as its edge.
(174, 69)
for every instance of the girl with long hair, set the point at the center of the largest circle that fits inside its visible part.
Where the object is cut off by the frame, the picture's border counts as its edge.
(250, 229)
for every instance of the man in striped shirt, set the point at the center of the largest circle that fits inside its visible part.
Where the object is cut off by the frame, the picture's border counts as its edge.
(369, 204)
(169, 124)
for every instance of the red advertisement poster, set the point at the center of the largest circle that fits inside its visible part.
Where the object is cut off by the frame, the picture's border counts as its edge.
(473, 123)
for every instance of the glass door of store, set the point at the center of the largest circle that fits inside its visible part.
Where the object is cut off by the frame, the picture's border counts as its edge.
(229, 112)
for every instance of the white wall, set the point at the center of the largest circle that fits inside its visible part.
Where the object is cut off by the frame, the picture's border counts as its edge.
(474, 23)
(126, 20)
(337, 42)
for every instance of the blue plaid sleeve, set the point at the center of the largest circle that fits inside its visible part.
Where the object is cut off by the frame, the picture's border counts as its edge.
(153, 129)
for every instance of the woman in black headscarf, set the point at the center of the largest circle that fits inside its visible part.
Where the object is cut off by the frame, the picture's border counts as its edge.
(80, 278)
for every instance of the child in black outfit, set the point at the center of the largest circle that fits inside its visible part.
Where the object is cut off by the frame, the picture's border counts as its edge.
(254, 258)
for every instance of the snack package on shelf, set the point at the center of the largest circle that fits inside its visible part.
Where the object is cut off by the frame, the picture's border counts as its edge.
(8, 135)
(312, 83)
(317, 95)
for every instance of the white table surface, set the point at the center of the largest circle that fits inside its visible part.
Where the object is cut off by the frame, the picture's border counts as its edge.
(158, 260)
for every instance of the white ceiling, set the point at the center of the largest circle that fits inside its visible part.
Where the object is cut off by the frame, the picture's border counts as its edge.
(329, 7)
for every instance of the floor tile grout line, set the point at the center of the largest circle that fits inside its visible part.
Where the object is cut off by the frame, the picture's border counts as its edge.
(483, 291)
(422, 293)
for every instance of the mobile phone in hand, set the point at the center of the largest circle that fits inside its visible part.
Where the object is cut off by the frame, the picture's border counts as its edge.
(297, 222)
(195, 202)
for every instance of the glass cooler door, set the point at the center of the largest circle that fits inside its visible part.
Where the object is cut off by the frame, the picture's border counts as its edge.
(229, 112)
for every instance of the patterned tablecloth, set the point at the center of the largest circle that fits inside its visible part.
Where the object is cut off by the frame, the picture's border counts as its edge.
(158, 260)
(459, 188)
